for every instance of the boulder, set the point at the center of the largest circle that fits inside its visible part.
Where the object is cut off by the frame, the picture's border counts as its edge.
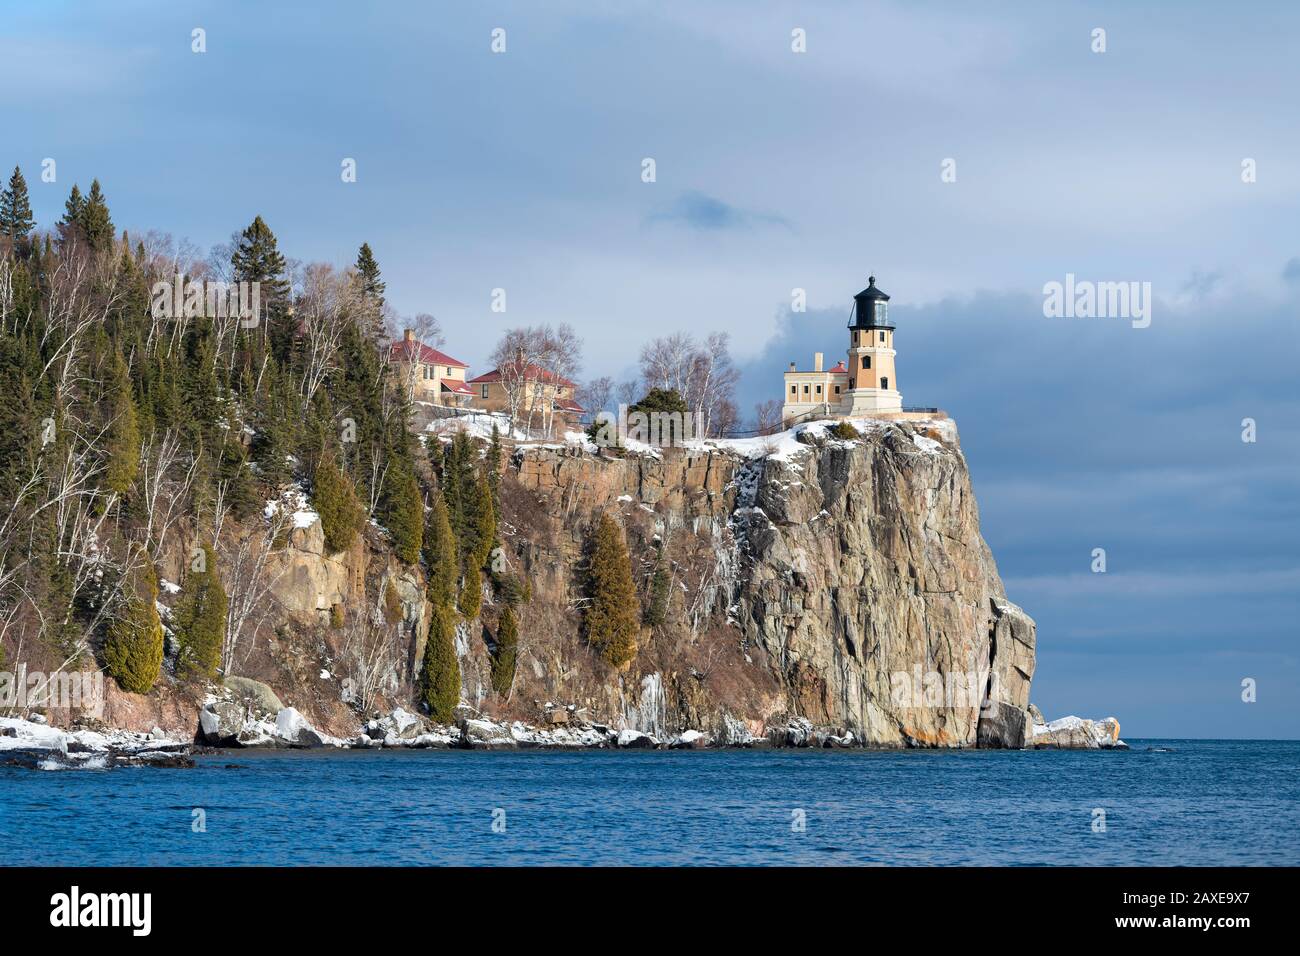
(635, 739)
(689, 740)
(260, 698)
(485, 735)
(293, 728)
(221, 722)
(1076, 733)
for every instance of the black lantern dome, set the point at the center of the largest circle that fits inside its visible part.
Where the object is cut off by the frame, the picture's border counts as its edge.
(870, 308)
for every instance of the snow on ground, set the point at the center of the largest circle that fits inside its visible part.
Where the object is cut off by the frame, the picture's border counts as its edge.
(477, 425)
(294, 500)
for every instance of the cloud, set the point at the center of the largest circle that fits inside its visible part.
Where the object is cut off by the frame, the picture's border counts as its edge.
(707, 213)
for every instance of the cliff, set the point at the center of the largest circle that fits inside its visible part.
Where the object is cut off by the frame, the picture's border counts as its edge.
(818, 590)
(845, 582)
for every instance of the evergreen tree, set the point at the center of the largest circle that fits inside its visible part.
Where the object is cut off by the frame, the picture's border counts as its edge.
(440, 673)
(494, 467)
(656, 611)
(440, 554)
(16, 222)
(73, 211)
(96, 224)
(402, 512)
(133, 647)
(257, 258)
(507, 650)
(200, 621)
(613, 614)
(335, 499)
(122, 442)
(485, 518)
(371, 284)
(471, 593)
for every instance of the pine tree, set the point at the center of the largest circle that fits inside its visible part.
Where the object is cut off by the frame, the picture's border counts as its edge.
(440, 554)
(440, 673)
(16, 222)
(402, 512)
(371, 284)
(471, 593)
(96, 224)
(200, 621)
(494, 467)
(73, 211)
(335, 499)
(507, 650)
(613, 615)
(133, 648)
(485, 517)
(656, 611)
(257, 258)
(122, 442)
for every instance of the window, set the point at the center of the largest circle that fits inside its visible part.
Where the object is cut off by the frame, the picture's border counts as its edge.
(882, 336)
(805, 389)
(884, 383)
(819, 389)
(882, 310)
(485, 390)
(794, 389)
(837, 389)
(448, 369)
(866, 361)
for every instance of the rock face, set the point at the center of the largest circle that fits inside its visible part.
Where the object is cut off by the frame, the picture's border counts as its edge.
(822, 583)
(1075, 733)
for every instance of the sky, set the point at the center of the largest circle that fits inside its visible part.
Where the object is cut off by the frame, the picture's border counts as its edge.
(778, 170)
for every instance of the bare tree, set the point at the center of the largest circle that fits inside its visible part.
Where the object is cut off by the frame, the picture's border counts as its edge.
(595, 395)
(767, 416)
(368, 657)
(328, 301)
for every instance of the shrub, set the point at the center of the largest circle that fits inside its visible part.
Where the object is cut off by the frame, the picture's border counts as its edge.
(201, 622)
(844, 431)
(613, 615)
(440, 673)
(335, 499)
(133, 648)
(503, 661)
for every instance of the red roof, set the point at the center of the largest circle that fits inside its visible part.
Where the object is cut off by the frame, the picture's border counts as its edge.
(460, 388)
(565, 405)
(839, 368)
(404, 349)
(531, 371)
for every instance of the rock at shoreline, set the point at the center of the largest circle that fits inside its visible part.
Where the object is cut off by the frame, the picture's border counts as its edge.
(1075, 733)
(485, 735)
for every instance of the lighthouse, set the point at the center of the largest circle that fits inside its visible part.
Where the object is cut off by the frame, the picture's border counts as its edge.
(866, 386)
(873, 383)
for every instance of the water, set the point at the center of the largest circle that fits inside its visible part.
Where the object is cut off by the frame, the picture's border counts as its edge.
(1206, 802)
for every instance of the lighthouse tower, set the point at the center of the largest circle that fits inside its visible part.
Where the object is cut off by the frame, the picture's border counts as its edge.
(873, 384)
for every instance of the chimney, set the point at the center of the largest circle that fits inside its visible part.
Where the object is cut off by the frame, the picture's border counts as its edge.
(409, 335)
(817, 361)
(792, 366)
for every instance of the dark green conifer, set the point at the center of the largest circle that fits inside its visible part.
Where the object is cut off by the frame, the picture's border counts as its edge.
(507, 650)
(613, 617)
(335, 499)
(16, 222)
(200, 621)
(133, 647)
(96, 223)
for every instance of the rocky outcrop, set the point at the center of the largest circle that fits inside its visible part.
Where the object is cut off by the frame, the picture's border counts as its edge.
(841, 584)
(1075, 733)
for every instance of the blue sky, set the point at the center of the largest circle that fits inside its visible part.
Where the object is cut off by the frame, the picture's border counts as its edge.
(776, 171)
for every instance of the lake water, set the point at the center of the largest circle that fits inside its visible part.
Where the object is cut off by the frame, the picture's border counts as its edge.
(1198, 802)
